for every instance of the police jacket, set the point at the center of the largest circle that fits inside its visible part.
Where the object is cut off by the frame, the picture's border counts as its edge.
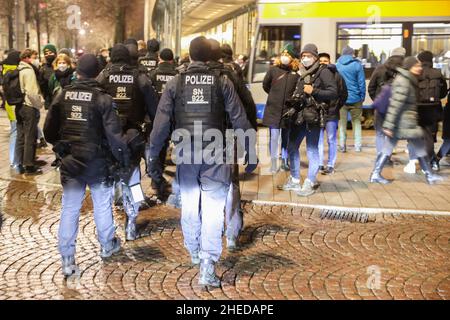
(132, 91)
(160, 76)
(82, 118)
(241, 89)
(171, 97)
(149, 61)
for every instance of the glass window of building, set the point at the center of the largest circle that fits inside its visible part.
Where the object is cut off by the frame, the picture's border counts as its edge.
(372, 42)
(271, 40)
(434, 37)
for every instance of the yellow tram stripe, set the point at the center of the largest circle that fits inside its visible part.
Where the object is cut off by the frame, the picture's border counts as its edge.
(354, 9)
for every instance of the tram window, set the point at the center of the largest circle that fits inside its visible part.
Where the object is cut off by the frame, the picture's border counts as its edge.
(372, 42)
(271, 40)
(434, 37)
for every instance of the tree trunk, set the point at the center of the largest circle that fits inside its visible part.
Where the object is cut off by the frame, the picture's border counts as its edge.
(119, 36)
(10, 32)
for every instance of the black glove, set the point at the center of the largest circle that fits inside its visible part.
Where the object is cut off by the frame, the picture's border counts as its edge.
(154, 169)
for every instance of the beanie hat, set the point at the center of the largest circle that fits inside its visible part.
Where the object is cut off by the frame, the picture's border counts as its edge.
(88, 66)
(66, 51)
(347, 51)
(400, 51)
(227, 51)
(166, 54)
(289, 48)
(216, 51)
(153, 45)
(310, 48)
(13, 58)
(50, 47)
(409, 62)
(200, 49)
(120, 53)
(425, 56)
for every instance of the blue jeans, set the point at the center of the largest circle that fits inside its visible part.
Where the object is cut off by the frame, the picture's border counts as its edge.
(274, 142)
(331, 128)
(204, 190)
(73, 196)
(12, 143)
(380, 136)
(297, 134)
(445, 148)
(233, 214)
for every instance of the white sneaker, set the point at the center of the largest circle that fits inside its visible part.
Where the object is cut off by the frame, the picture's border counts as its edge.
(411, 167)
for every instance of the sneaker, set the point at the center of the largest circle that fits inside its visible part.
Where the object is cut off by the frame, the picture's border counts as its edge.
(290, 185)
(321, 168)
(232, 244)
(174, 201)
(329, 170)
(113, 248)
(195, 258)
(42, 144)
(307, 189)
(342, 149)
(19, 169)
(358, 149)
(435, 165)
(410, 167)
(69, 267)
(208, 275)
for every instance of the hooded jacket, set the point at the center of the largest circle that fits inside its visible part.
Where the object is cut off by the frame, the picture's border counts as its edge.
(384, 74)
(353, 73)
(402, 115)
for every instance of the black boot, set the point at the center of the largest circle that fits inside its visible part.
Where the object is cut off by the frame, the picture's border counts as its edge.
(426, 167)
(376, 176)
(285, 165)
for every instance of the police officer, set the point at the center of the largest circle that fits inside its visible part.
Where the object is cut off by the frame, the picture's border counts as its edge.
(198, 102)
(135, 98)
(82, 124)
(150, 61)
(233, 211)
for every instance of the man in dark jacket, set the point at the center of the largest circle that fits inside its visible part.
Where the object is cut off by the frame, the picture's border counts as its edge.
(83, 126)
(316, 85)
(332, 118)
(227, 59)
(46, 72)
(384, 75)
(432, 88)
(279, 83)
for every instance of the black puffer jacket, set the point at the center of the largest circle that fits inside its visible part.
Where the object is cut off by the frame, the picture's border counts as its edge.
(384, 74)
(336, 105)
(279, 83)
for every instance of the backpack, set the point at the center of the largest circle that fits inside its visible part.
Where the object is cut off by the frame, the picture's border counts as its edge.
(429, 88)
(12, 89)
(382, 101)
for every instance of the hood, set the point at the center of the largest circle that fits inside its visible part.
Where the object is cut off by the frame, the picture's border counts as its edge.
(394, 62)
(347, 59)
(13, 58)
(197, 65)
(7, 68)
(24, 65)
(332, 68)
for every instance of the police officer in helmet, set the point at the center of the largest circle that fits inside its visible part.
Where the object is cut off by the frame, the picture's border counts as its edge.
(135, 97)
(198, 101)
(83, 126)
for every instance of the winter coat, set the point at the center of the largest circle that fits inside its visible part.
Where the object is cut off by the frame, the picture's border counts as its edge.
(29, 85)
(353, 73)
(279, 83)
(59, 80)
(446, 127)
(402, 115)
(45, 73)
(430, 113)
(9, 109)
(336, 105)
(384, 74)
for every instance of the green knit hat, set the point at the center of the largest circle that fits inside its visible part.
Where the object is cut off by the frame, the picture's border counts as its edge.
(289, 48)
(50, 47)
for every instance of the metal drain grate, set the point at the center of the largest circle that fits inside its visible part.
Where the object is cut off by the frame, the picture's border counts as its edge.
(352, 216)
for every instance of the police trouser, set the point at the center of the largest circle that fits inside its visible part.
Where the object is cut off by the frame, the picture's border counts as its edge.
(233, 213)
(73, 195)
(204, 190)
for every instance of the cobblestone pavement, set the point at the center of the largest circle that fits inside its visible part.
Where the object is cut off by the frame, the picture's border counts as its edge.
(287, 253)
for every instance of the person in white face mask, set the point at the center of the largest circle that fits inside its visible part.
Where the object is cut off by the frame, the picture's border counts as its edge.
(279, 83)
(316, 87)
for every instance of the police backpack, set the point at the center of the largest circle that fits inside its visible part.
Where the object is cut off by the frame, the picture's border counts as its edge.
(11, 87)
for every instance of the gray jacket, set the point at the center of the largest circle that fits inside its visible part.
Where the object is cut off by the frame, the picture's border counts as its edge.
(402, 116)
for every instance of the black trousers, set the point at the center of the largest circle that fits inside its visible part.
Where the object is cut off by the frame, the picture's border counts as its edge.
(27, 124)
